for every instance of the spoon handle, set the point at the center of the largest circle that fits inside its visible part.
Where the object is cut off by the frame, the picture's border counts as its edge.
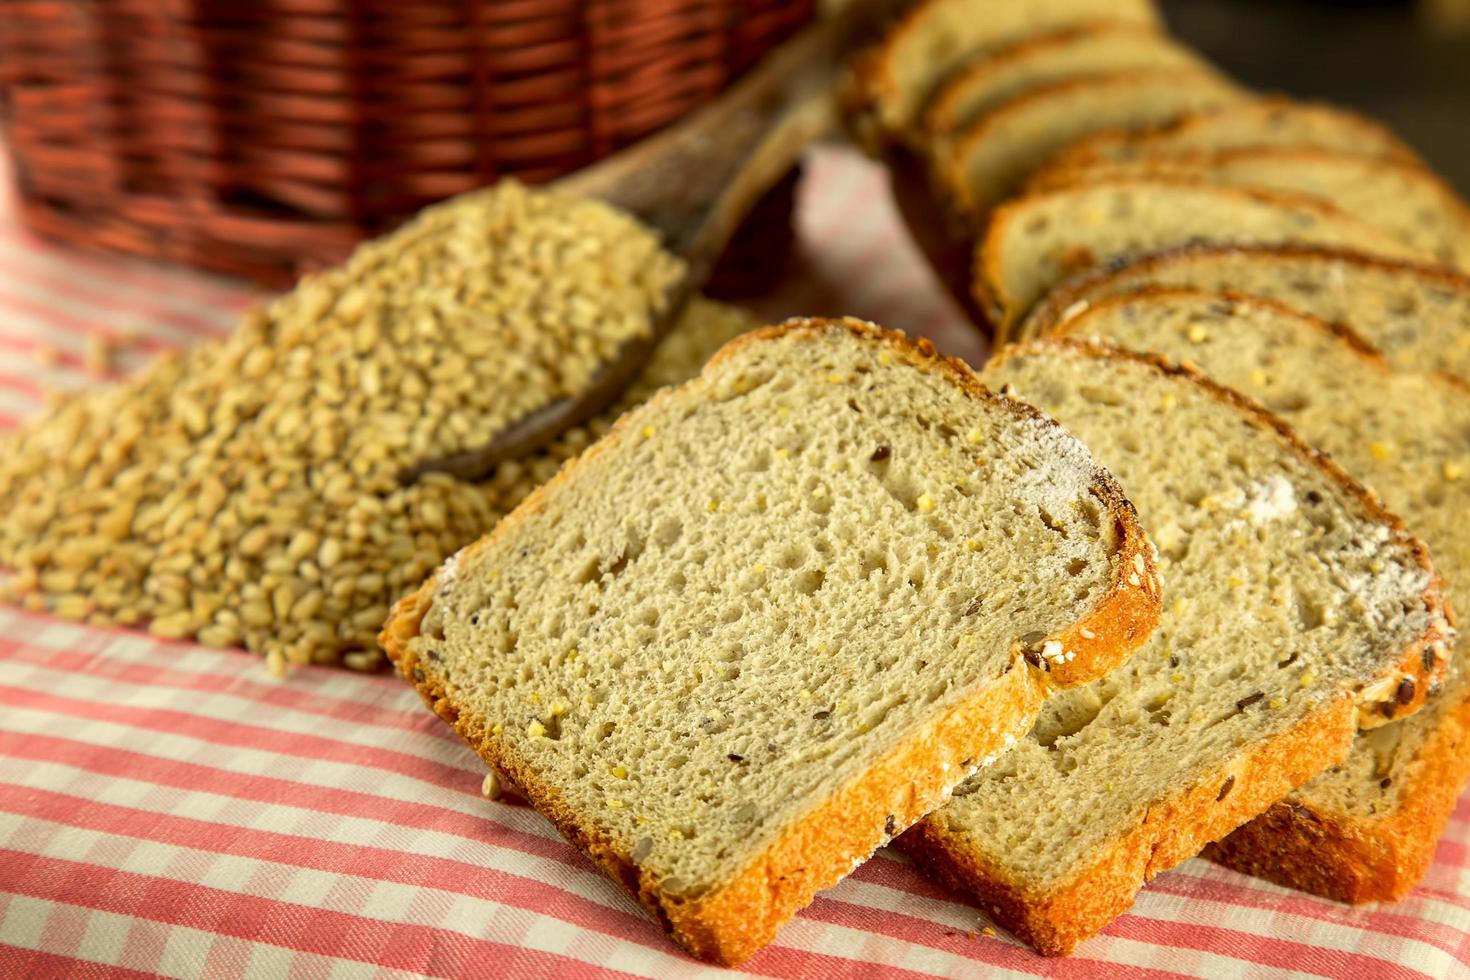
(696, 181)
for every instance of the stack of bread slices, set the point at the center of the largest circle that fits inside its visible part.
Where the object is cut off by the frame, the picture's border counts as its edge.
(1171, 575)
(1111, 205)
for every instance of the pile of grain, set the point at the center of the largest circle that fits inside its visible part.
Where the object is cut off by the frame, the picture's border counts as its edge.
(247, 493)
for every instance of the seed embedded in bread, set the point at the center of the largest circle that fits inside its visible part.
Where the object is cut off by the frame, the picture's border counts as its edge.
(770, 687)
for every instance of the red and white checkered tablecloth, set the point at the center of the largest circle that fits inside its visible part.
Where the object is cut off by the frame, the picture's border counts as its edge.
(169, 809)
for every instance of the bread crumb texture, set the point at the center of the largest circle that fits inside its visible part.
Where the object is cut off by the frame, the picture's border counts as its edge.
(762, 582)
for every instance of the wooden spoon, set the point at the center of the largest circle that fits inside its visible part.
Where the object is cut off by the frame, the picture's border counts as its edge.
(693, 184)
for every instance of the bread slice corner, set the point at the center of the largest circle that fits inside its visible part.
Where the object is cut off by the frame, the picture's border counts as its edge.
(775, 615)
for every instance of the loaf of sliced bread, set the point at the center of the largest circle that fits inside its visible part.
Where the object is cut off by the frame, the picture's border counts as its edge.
(1417, 314)
(1295, 605)
(891, 83)
(1000, 150)
(1034, 242)
(1404, 199)
(1072, 52)
(1274, 121)
(1365, 829)
(775, 616)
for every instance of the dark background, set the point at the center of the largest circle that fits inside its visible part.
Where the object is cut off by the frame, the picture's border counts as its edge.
(1394, 61)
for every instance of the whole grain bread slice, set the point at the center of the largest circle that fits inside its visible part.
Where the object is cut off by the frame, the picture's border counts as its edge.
(995, 155)
(1074, 51)
(892, 82)
(1032, 243)
(1270, 121)
(775, 615)
(1417, 314)
(1366, 829)
(1295, 606)
(1406, 200)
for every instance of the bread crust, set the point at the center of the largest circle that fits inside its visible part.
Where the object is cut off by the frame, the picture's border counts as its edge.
(1057, 919)
(938, 116)
(1447, 202)
(872, 94)
(1003, 311)
(1054, 307)
(740, 916)
(953, 169)
(1349, 857)
(1084, 150)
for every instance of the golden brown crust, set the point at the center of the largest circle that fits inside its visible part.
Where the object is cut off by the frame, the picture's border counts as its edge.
(1056, 920)
(989, 253)
(1076, 326)
(731, 923)
(1055, 306)
(938, 117)
(1063, 172)
(1355, 858)
(953, 168)
(1084, 150)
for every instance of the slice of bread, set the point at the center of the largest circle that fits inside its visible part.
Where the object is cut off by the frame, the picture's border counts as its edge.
(1034, 242)
(1406, 436)
(775, 616)
(1273, 121)
(1417, 314)
(1366, 829)
(1295, 605)
(891, 83)
(1404, 199)
(996, 154)
(1069, 53)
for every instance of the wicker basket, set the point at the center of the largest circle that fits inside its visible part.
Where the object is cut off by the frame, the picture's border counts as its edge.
(262, 138)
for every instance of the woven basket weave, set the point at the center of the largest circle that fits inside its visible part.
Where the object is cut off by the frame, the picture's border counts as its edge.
(264, 137)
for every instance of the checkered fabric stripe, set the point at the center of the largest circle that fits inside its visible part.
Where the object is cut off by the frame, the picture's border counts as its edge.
(168, 809)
